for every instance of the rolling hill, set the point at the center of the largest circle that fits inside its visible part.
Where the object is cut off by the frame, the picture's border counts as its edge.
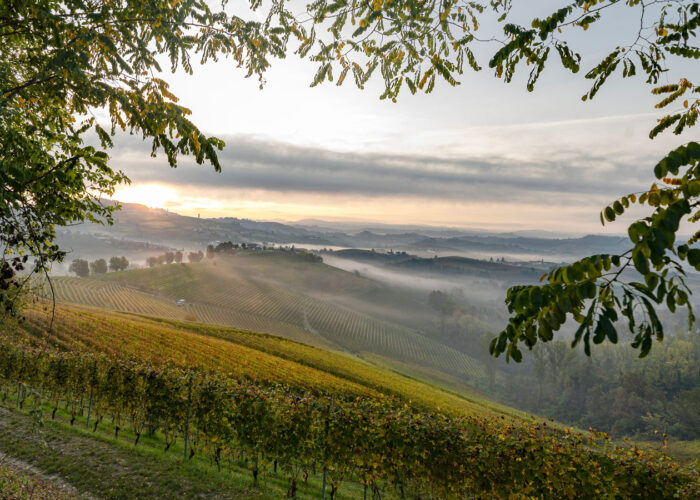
(283, 294)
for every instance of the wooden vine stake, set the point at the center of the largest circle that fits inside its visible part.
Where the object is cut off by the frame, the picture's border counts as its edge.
(187, 420)
(325, 448)
(92, 386)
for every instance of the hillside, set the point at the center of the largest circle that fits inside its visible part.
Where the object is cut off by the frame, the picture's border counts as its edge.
(243, 354)
(453, 265)
(355, 421)
(281, 294)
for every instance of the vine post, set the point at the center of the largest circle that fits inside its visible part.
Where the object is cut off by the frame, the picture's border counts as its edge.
(92, 387)
(325, 447)
(187, 418)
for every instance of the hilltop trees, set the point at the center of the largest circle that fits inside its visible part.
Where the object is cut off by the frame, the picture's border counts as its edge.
(118, 263)
(195, 256)
(98, 266)
(164, 258)
(83, 268)
(169, 257)
(80, 267)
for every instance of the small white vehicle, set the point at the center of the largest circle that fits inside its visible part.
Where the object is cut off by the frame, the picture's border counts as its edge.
(181, 302)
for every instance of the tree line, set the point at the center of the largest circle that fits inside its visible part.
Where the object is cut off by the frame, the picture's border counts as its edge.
(613, 390)
(231, 247)
(83, 268)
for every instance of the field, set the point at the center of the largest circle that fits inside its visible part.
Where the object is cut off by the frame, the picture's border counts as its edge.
(278, 294)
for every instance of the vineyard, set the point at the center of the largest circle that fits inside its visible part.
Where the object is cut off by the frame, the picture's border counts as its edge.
(245, 354)
(262, 293)
(387, 447)
(119, 297)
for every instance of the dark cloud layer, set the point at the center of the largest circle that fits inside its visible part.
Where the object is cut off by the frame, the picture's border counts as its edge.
(255, 164)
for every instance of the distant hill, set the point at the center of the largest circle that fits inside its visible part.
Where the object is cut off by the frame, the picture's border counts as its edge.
(452, 265)
(137, 223)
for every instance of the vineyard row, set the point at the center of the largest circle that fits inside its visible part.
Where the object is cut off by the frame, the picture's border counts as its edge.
(381, 442)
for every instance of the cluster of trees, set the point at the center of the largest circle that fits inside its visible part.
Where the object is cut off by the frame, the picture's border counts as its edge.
(83, 268)
(165, 258)
(195, 256)
(173, 257)
(614, 390)
(229, 247)
(459, 323)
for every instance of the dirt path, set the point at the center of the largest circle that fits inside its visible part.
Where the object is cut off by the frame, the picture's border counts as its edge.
(57, 484)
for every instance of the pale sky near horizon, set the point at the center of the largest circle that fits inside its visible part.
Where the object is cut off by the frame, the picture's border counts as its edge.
(481, 155)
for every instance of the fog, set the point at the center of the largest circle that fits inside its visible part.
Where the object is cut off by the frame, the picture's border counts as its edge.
(480, 290)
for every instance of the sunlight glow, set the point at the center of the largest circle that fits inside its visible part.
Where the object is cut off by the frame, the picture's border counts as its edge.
(151, 195)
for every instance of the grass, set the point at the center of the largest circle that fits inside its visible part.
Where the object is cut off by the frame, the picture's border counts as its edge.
(16, 483)
(682, 451)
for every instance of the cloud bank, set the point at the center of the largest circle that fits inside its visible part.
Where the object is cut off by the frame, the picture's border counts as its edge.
(526, 170)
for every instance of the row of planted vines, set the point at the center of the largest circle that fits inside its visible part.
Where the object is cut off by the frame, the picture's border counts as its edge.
(388, 446)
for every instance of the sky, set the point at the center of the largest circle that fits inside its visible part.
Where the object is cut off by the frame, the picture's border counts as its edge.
(483, 154)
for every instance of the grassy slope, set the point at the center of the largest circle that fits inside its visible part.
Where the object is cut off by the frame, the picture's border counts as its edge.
(247, 354)
(682, 451)
(274, 293)
(123, 297)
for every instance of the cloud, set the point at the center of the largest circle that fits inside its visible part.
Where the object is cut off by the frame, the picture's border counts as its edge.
(549, 172)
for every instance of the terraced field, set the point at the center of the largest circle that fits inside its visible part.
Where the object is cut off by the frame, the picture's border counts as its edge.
(274, 294)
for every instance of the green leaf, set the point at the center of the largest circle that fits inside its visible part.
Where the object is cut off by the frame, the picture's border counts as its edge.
(693, 257)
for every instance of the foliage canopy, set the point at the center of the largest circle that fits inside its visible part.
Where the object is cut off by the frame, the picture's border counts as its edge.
(61, 61)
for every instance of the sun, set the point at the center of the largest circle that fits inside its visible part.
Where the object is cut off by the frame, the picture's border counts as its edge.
(151, 195)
